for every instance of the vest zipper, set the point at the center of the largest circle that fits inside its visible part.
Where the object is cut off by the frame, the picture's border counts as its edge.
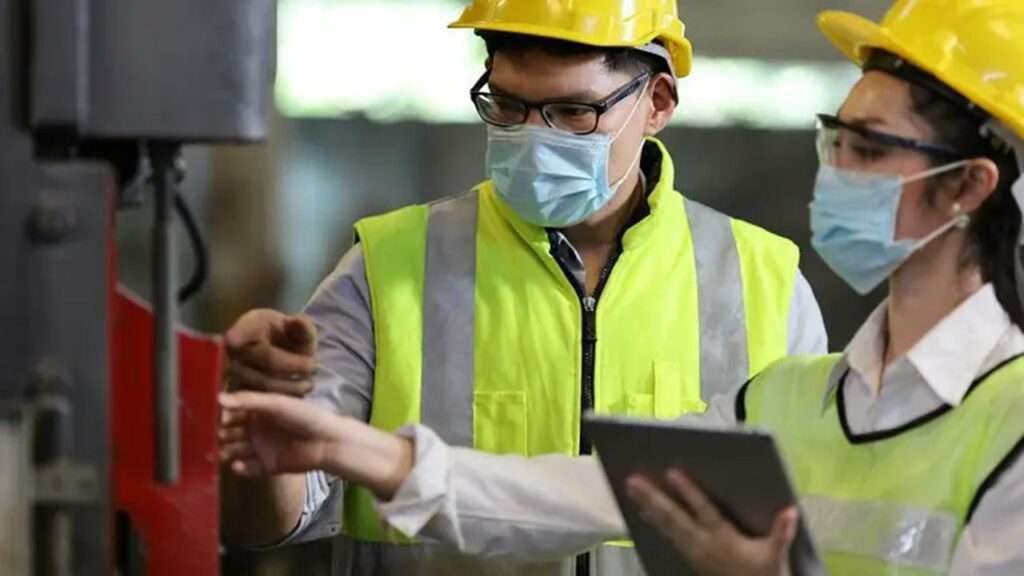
(589, 340)
(589, 357)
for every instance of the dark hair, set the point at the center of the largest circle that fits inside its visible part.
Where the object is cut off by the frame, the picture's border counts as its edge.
(615, 59)
(995, 226)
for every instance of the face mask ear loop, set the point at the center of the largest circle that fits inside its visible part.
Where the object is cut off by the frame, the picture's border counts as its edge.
(960, 221)
(636, 106)
(618, 183)
(935, 171)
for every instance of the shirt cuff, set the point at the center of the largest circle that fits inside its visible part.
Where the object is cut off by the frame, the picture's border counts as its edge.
(319, 519)
(425, 493)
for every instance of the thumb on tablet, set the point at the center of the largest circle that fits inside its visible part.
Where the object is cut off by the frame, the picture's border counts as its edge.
(782, 535)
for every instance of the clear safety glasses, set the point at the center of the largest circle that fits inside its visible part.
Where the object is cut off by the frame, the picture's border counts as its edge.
(848, 145)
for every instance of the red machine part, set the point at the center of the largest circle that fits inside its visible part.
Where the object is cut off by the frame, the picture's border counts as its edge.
(178, 524)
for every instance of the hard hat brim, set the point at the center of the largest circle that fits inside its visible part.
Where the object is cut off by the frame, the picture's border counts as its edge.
(681, 52)
(855, 36)
(542, 31)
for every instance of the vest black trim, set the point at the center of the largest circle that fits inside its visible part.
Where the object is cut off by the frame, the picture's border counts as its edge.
(920, 421)
(991, 372)
(1009, 460)
(741, 401)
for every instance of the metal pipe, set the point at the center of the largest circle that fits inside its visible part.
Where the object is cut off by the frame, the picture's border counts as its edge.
(165, 315)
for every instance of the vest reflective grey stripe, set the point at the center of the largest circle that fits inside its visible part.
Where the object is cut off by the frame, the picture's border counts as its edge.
(723, 327)
(890, 533)
(449, 297)
(449, 287)
(615, 561)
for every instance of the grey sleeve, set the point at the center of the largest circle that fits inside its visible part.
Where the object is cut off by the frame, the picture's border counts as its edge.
(806, 333)
(346, 357)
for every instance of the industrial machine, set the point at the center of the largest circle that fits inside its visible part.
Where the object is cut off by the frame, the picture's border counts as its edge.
(108, 461)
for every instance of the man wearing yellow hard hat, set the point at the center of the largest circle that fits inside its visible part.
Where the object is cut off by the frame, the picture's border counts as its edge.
(907, 449)
(574, 278)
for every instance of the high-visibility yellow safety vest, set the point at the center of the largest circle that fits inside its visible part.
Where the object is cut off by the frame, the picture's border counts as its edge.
(480, 335)
(893, 502)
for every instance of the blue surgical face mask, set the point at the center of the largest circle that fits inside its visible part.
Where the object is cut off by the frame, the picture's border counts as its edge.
(853, 223)
(553, 178)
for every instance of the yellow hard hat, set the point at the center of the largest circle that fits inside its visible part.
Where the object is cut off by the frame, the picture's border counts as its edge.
(605, 23)
(975, 47)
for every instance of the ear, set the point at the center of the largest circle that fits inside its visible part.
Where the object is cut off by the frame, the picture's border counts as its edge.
(663, 98)
(980, 179)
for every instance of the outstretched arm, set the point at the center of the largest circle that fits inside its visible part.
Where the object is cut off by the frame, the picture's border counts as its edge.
(532, 509)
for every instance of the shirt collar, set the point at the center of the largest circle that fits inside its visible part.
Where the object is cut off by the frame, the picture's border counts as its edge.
(951, 355)
(866, 350)
(948, 358)
(862, 355)
(834, 378)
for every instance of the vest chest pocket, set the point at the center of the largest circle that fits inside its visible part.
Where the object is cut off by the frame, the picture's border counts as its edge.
(673, 395)
(499, 421)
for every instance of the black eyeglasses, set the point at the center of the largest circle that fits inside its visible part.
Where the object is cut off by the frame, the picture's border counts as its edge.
(868, 144)
(580, 118)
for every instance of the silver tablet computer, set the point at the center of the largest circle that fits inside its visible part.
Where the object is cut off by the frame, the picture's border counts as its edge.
(740, 470)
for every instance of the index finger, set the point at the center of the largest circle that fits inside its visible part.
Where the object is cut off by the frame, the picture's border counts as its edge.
(258, 402)
(664, 513)
(704, 510)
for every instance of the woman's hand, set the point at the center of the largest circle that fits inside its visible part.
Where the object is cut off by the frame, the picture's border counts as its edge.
(707, 540)
(264, 434)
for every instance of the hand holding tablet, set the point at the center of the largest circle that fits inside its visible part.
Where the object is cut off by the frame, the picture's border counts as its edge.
(736, 476)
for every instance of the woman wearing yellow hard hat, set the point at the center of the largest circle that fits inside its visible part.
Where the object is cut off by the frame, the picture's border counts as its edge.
(908, 449)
